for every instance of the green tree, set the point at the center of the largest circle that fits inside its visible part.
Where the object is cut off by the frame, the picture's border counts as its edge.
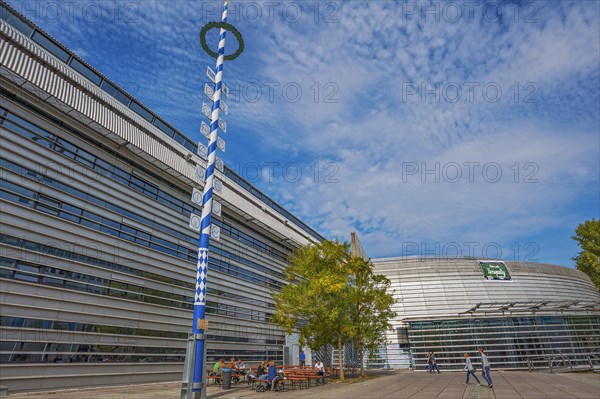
(371, 308)
(587, 236)
(316, 303)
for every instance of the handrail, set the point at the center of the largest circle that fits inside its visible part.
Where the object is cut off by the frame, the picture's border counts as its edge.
(530, 365)
(591, 358)
(562, 358)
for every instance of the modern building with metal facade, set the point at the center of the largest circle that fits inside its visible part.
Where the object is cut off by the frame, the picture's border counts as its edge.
(529, 314)
(97, 261)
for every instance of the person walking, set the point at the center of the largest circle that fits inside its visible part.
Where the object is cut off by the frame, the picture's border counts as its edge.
(429, 362)
(302, 358)
(433, 361)
(470, 369)
(485, 366)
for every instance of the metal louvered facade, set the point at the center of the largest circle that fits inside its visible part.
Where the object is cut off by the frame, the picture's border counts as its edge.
(97, 261)
(447, 306)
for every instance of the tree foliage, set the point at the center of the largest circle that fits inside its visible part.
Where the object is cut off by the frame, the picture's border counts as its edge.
(316, 301)
(371, 311)
(333, 298)
(587, 236)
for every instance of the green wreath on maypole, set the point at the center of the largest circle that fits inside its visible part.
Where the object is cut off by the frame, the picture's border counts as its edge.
(226, 26)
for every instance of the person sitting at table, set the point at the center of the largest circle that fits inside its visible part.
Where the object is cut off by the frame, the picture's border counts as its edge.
(218, 366)
(272, 376)
(231, 364)
(240, 367)
(320, 371)
(260, 372)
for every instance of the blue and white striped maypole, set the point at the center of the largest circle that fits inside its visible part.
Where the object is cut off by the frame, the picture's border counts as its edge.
(199, 324)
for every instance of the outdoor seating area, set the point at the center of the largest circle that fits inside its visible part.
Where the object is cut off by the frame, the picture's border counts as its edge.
(303, 377)
(291, 377)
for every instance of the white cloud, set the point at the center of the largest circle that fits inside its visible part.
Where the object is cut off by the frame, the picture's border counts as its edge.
(367, 61)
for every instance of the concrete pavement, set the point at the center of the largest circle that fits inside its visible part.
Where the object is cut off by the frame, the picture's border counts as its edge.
(450, 385)
(390, 385)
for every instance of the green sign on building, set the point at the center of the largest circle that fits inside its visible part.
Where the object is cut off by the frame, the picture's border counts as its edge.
(495, 270)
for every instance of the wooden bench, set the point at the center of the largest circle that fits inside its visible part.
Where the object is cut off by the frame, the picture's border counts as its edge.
(216, 378)
(316, 377)
(297, 379)
(280, 384)
(258, 381)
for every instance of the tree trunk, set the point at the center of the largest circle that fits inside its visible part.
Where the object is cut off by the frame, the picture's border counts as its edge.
(341, 357)
(360, 359)
(325, 357)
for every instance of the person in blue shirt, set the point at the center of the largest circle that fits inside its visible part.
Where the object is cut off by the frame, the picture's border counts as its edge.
(302, 358)
(272, 375)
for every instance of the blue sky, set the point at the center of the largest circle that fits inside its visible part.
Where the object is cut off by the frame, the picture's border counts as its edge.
(427, 127)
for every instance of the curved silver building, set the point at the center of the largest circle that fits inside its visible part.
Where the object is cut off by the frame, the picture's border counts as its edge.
(520, 312)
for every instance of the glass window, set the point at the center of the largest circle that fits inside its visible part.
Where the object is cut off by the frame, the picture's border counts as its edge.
(92, 216)
(152, 189)
(53, 281)
(29, 126)
(179, 138)
(11, 197)
(85, 161)
(27, 277)
(141, 111)
(115, 92)
(70, 217)
(128, 229)
(143, 235)
(85, 155)
(162, 126)
(49, 45)
(47, 209)
(90, 224)
(126, 236)
(15, 21)
(111, 223)
(92, 199)
(6, 273)
(75, 286)
(63, 146)
(100, 163)
(85, 71)
(14, 241)
(70, 208)
(109, 230)
(16, 128)
(190, 146)
(7, 262)
(49, 200)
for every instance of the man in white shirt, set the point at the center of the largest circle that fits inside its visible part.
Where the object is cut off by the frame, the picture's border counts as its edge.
(320, 371)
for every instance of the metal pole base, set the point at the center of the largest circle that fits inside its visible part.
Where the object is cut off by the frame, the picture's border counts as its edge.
(187, 383)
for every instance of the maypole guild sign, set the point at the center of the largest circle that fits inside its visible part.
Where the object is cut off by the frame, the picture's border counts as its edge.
(495, 270)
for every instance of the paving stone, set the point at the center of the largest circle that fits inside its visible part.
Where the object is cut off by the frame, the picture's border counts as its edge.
(390, 385)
